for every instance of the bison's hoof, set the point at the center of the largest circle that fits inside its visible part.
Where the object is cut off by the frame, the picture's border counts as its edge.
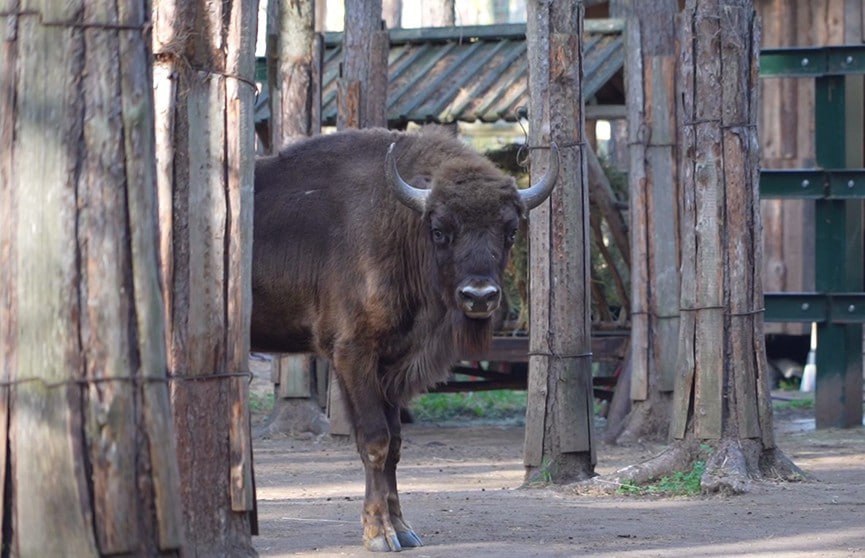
(383, 543)
(409, 539)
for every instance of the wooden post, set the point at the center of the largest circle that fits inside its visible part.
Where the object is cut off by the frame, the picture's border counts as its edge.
(205, 155)
(650, 63)
(722, 372)
(559, 420)
(82, 352)
(291, 76)
(362, 87)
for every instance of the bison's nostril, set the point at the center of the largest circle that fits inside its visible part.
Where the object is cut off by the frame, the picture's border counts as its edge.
(483, 299)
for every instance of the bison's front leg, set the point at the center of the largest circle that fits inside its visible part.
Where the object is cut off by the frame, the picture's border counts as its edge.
(407, 537)
(367, 410)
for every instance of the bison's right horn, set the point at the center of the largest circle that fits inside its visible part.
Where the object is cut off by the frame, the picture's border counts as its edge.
(535, 194)
(412, 197)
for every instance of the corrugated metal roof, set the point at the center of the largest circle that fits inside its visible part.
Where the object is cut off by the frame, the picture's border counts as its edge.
(470, 74)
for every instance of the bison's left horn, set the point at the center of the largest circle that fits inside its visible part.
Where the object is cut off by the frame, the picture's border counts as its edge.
(412, 197)
(535, 194)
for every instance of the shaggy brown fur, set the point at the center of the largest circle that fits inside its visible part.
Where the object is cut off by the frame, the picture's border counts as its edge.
(342, 268)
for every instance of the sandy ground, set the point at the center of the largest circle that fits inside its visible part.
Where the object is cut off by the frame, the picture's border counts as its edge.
(460, 489)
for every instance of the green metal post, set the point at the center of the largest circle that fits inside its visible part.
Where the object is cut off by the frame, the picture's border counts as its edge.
(838, 269)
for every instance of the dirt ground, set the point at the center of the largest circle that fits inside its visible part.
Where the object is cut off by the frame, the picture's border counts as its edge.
(460, 489)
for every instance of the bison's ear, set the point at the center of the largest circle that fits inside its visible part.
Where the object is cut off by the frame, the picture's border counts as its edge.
(414, 198)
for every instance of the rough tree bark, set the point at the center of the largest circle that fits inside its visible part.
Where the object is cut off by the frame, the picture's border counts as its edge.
(650, 66)
(87, 459)
(204, 132)
(559, 430)
(362, 87)
(292, 53)
(721, 397)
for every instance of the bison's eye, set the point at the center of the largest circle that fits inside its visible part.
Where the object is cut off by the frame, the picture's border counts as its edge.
(512, 236)
(439, 237)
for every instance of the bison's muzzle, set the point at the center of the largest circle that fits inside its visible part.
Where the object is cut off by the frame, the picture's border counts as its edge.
(478, 299)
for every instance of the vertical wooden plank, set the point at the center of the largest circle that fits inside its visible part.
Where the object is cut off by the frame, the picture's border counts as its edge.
(137, 89)
(207, 225)
(741, 218)
(50, 487)
(638, 206)
(274, 368)
(111, 431)
(337, 411)
(240, 142)
(9, 218)
(684, 381)
(295, 378)
(663, 234)
(540, 236)
(322, 372)
(708, 180)
(317, 83)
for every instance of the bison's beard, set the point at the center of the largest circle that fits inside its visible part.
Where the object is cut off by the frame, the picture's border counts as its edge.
(471, 337)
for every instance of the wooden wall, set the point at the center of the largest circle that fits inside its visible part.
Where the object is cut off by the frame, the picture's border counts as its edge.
(787, 133)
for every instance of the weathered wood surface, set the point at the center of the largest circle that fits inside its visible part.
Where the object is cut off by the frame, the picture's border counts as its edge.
(362, 87)
(721, 362)
(787, 134)
(650, 35)
(291, 55)
(81, 325)
(559, 429)
(204, 126)
(294, 375)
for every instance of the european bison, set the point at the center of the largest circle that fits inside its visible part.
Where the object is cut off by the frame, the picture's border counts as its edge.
(390, 279)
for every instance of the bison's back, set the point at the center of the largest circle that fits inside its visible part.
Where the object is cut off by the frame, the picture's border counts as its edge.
(313, 206)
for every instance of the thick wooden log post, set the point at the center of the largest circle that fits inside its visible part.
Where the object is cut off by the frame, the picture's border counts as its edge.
(91, 467)
(722, 385)
(293, 50)
(650, 65)
(559, 420)
(362, 87)
(204, 90)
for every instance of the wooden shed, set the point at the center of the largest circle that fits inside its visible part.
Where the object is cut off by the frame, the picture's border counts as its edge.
(470, 74)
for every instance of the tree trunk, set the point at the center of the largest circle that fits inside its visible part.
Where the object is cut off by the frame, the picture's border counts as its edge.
(87, 460)
(722, 384)
(292, 51)
(650, 69)
(559, 421)
(391, 12)
(204, 91)
(721, 398)
(438, 13)
(362, 87)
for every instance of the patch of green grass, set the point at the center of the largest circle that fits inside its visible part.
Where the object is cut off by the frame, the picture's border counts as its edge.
(501, 404)
(678, 484)
(260, 403)
(798, 404)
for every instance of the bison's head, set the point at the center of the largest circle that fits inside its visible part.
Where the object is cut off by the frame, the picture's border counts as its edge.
(472, 211)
